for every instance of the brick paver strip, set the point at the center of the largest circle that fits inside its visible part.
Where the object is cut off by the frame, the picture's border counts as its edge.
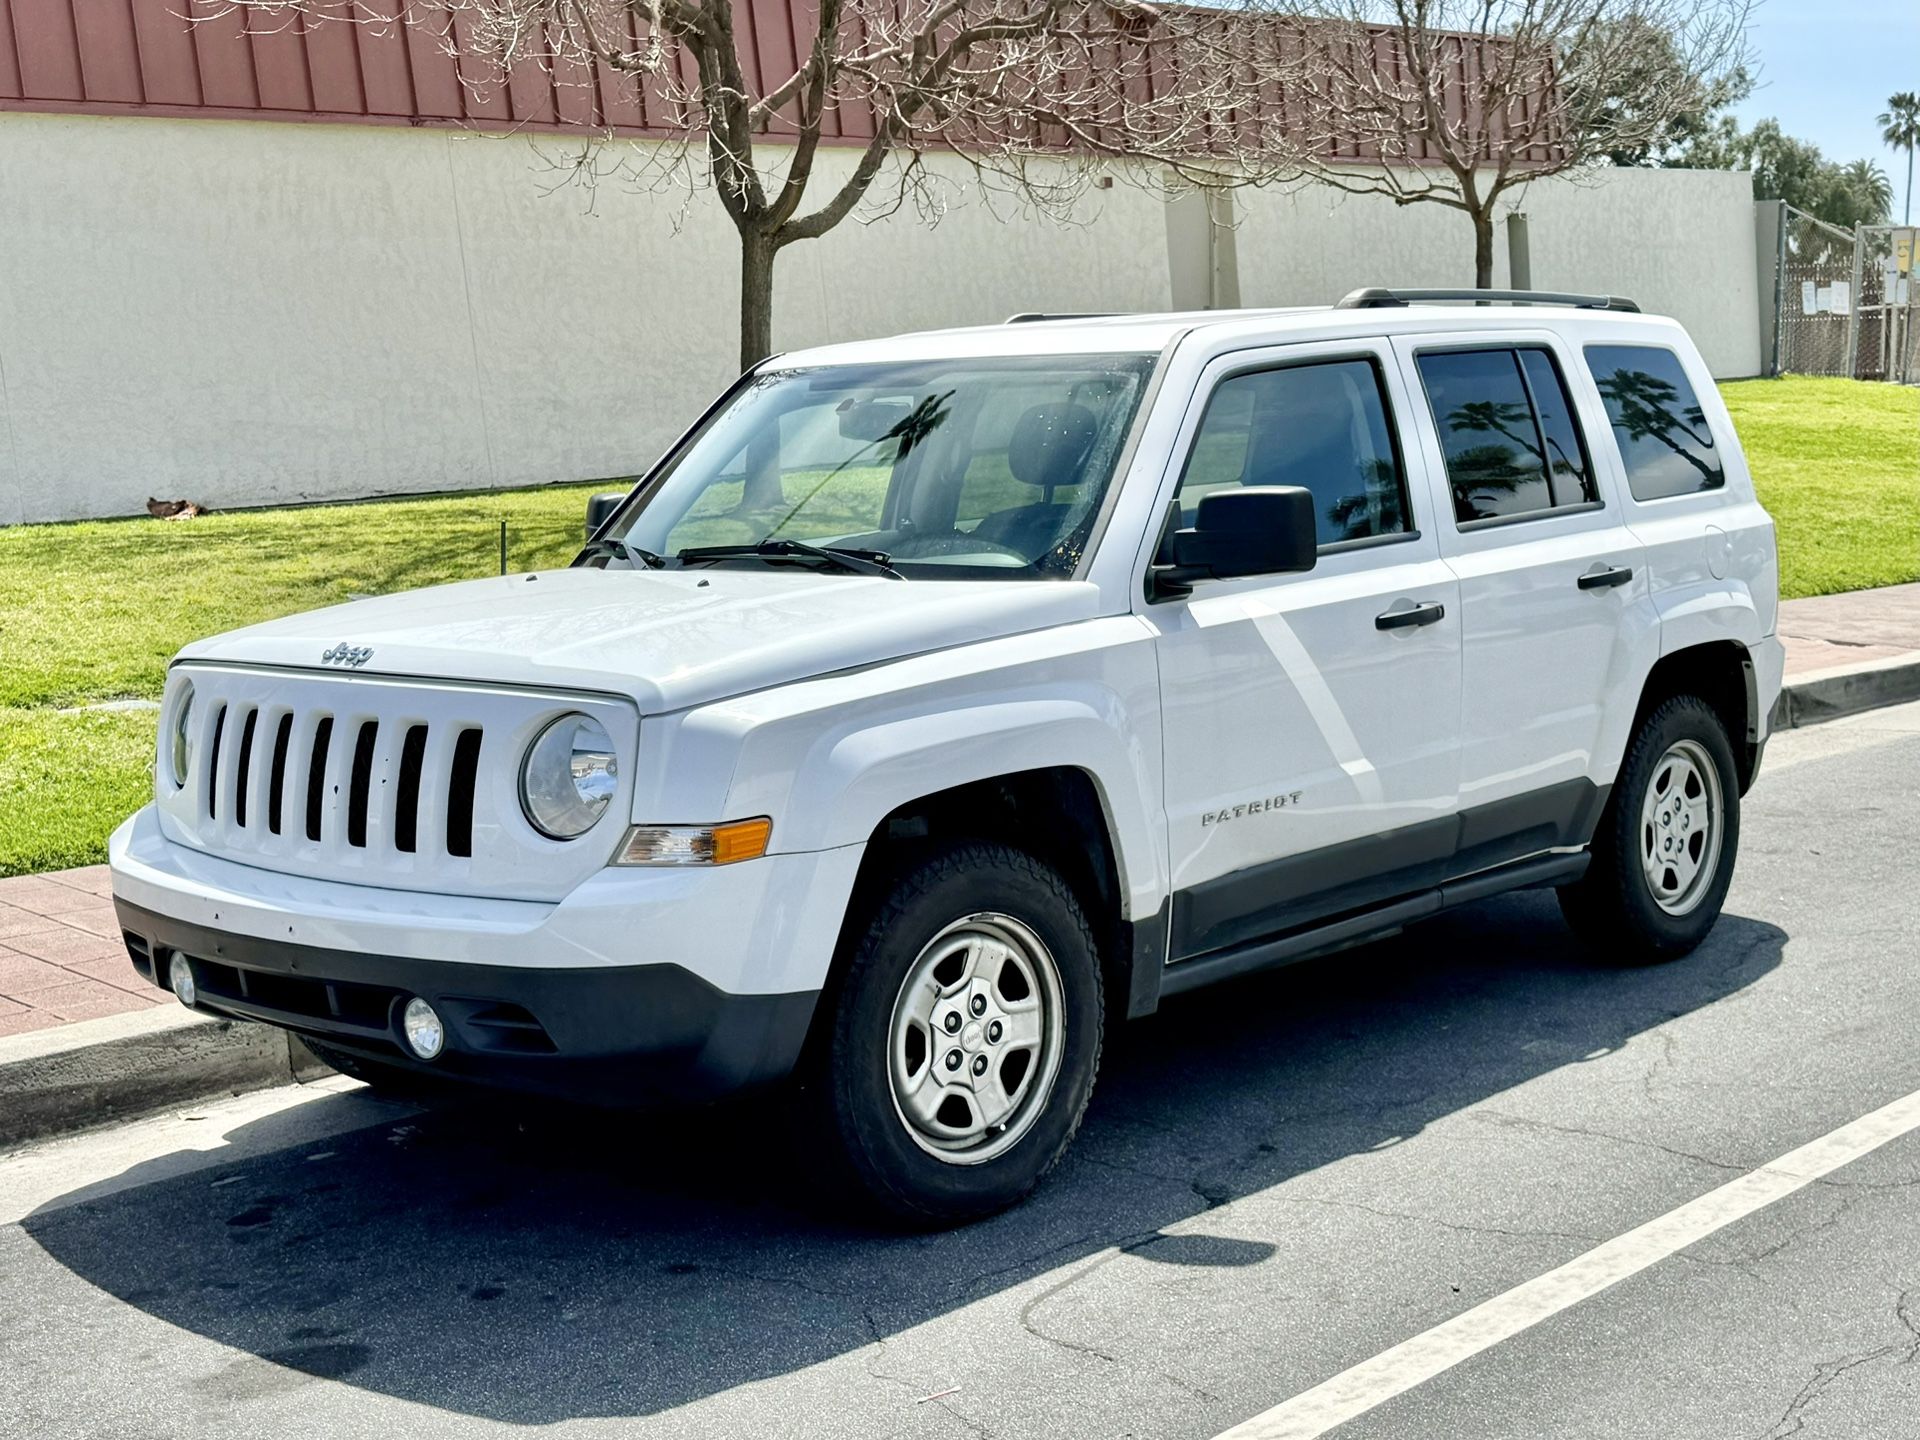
(61, 957)
(86, 1000)
(22, 1021)
(113, 970)
(42, 894)
(62, 945)
(1860, 625)
(95, 920)
(15, 921)
(22, 976)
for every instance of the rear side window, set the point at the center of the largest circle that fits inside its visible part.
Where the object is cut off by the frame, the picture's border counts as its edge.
(1663, 434)
(1322, 426)
(1507, 430)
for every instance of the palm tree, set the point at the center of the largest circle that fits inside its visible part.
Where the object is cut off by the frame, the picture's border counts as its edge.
(1900, 128)
(1870, 191)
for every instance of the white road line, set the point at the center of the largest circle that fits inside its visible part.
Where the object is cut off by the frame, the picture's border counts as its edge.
(1393, 1372)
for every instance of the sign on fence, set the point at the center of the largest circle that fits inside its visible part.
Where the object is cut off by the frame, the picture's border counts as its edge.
(1859, 305)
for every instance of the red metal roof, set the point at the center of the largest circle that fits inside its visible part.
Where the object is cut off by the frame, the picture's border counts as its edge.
(146, 57)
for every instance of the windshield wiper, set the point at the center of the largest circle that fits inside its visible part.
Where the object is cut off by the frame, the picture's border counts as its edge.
(861, 562)
(620, 550)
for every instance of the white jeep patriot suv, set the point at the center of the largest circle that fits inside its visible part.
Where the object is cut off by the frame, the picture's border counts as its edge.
(937, 699)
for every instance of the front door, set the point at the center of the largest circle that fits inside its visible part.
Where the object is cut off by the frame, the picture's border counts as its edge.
(1311, 720)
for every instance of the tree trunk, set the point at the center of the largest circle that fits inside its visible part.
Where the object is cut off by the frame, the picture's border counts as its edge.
(1482, 251)
(756, 298)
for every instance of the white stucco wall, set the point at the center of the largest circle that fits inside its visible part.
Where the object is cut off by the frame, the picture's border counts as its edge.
(1680, 242)
(248, 312)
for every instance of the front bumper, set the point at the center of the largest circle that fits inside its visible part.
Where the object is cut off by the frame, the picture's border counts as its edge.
(619, 1035)
(644, 985)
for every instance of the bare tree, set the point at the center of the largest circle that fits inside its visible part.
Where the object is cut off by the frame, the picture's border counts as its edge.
(1039, 97)
(1457, 102)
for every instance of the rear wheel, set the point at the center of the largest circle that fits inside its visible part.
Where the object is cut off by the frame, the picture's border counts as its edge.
(966, 1036)
(1663, 855)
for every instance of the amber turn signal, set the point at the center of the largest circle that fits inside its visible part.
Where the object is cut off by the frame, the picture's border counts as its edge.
(695, 844)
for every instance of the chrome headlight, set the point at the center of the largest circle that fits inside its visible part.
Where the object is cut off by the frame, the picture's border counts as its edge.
(180, 750)
(569, 777)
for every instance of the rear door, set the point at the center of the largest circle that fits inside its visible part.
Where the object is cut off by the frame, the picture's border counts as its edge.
(1556, 620)
(1311, 719)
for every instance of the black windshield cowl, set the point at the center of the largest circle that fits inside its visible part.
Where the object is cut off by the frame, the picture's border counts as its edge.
(860, 562)
(611, 549)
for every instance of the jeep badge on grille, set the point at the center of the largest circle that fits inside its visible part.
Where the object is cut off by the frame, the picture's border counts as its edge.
(352, 656)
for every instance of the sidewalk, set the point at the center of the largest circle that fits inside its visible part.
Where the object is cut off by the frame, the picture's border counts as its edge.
(61, 959)
(1850, 629)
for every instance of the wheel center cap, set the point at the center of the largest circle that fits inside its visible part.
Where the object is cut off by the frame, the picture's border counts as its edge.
(973, 1036)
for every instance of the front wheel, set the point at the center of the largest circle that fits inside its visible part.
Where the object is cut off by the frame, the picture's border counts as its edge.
(966, 1036)
(1663, 855)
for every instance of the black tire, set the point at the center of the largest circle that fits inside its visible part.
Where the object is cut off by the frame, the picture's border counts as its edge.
(394, 1080)
(1613, 905)
(849, 1089)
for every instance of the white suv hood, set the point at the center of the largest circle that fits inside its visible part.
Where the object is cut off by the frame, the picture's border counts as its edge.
(669, 639)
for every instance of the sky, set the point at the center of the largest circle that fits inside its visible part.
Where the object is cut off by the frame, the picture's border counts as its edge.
(1827, 68)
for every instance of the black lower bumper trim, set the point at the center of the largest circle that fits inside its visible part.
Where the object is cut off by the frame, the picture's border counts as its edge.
(610, 1035)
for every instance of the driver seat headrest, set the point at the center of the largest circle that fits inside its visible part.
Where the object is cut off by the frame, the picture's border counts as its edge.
(1050, 444)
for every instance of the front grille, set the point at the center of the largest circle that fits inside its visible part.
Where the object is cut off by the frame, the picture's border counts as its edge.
(394, 783)
(257, 771)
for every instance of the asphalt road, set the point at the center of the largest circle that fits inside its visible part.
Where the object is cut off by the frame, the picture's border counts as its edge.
(1280, 1179)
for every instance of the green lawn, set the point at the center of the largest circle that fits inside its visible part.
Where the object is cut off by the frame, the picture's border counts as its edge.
(1838, 464)
(66, 781)
(92, 611)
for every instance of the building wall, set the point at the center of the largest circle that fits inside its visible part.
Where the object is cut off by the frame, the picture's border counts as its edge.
(246, 312)
(1680, 242)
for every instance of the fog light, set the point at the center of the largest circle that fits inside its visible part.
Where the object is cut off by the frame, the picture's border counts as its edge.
(180, 977)
(425, 1034)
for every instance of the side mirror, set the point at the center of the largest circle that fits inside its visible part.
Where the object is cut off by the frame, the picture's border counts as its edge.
(600, 509)
(1244, 530)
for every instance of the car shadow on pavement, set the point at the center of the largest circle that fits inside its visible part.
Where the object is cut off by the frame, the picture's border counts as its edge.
(530, 1264)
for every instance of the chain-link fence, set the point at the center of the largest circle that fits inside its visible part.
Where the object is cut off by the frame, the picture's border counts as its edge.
(1884, 343)
(1847, 302)
(1816, 279)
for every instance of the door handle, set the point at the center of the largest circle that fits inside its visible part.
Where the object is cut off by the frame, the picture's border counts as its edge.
(1426, 614)
(1605, 577)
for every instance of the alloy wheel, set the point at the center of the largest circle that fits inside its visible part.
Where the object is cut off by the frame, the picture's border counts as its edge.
(974, 1043)
(1681, 820)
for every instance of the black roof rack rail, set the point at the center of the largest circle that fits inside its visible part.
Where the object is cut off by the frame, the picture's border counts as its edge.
(1375, 298)
(1027, 317)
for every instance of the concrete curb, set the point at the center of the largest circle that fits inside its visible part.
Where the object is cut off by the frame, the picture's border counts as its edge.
(99, 1072)
(1847, 690)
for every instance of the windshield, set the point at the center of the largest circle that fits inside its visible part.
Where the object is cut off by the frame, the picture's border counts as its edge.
(951, 469)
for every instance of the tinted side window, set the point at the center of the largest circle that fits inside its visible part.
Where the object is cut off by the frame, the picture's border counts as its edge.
(1663, 434)
(1507, 431)
(1320, 426)
(1570, 475)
